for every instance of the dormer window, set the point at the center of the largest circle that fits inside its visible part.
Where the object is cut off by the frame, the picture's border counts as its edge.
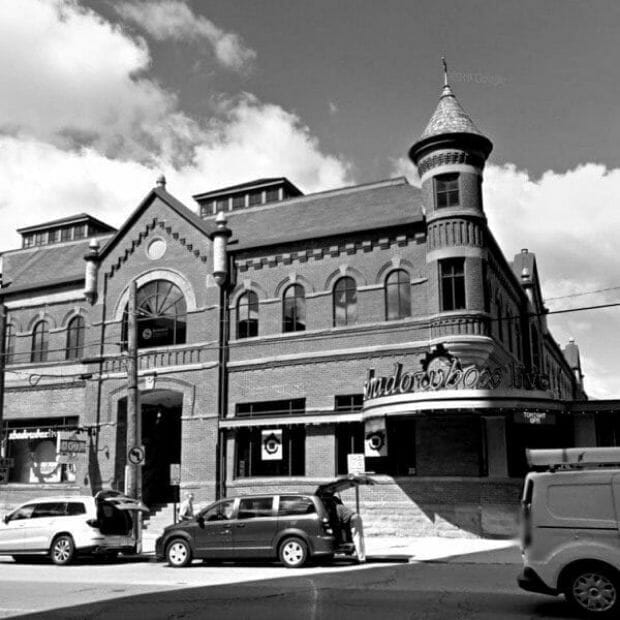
(447, 190)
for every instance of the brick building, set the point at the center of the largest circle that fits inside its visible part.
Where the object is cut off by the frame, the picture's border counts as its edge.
(278, 332)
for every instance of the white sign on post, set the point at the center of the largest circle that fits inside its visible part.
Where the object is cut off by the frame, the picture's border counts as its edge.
(356, 463)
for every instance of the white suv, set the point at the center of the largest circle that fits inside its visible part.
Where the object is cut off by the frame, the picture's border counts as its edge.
(570, 528)
(64, 527)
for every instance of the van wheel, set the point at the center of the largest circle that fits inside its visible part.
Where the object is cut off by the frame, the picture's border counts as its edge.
(293, 552)
(62, 550)
(178, 553)
(594, 591)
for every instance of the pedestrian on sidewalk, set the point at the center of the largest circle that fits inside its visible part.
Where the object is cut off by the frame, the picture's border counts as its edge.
(351, 523)
(186, 509)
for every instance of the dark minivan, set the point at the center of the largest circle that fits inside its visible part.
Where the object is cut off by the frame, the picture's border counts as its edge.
(291, 527)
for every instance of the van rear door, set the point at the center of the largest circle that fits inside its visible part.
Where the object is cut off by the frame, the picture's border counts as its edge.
(615, 486)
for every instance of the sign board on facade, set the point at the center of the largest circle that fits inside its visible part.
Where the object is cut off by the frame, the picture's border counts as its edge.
(4, 475)
(375, 443)
(534, 417)
(69, 446)
(175, 474)
(356, 463)
(136, 455)
(271, 444)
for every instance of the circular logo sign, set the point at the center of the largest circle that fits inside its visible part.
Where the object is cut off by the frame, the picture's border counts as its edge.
(136, 455)
(272, 444)
(147, 333)
(376, 440)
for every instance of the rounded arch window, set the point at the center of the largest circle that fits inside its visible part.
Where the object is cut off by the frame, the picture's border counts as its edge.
(160, 315)
(40, 342)
(345, 302)
(294, 309)
(75, 338)
(247, 315)
(397, 295)
(9, 344)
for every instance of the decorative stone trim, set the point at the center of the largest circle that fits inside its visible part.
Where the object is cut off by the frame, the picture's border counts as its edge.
(449, 157)
(447, 233)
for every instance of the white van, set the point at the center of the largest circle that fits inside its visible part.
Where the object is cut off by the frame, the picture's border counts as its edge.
(570, 528)
(63, 527)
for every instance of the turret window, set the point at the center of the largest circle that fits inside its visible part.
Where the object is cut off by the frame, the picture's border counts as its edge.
(452, 281)
(447, 190)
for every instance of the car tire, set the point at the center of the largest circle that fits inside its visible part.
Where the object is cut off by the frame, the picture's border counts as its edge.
(178, 553)
(62, 550)
(293, 552)
(593, 591)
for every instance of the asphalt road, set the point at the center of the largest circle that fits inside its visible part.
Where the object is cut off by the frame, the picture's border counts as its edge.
(145, 590)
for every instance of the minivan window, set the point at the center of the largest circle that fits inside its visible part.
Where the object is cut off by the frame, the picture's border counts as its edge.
(76, 508)
(48, 509)
(222, 511)
(253, 507)
(295, 505)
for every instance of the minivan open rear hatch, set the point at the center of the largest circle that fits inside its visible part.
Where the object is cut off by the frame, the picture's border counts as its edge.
(343, 483)
(120, 501)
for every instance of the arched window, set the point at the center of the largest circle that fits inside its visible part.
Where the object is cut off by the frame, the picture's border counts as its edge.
(9, 344)
(294, 309)
(345, 302)
(161, 315)
(247, 315)
(75, 338)
(40, 342)
(397, 295)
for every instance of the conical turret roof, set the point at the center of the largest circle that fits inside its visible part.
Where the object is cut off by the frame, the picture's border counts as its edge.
(449, 117)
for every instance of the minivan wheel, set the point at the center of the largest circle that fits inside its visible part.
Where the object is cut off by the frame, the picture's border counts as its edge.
(178, 553)
(595, 591)
(62, 550)
(293, 552)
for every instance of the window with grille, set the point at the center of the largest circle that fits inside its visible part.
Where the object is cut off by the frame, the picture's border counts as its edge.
(447, 190)
(247, 315)
(452, 279)
(397, 295)
(294, 309)
(161, 315)
(345, 302)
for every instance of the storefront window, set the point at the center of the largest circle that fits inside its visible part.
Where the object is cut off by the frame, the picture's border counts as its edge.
(253, 458)
(397, 295)
(247, 315)
(345, 302)
(75, 338)
(294, 309)
(161, 315)
(32, 444)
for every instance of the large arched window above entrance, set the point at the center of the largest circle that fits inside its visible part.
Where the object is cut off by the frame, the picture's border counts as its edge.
(294, 309)
(345, 302)
(161, 315)
(397, 295)
(247, 315)
(40, 342)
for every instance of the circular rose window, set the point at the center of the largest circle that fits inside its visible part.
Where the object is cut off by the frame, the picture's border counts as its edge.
(156, 249)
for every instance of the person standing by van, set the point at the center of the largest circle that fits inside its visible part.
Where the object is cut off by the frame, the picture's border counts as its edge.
(186, 509)
(351, 522)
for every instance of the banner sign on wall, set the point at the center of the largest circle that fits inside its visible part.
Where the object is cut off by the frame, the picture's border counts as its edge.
(271, 445)
(68, 446)
(375, 443)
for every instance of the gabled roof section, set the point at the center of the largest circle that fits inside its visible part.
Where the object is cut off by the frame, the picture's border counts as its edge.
(203, 226)
(338, 212)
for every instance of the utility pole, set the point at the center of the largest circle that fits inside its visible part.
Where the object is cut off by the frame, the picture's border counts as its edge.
(2, 365)
(135, 452)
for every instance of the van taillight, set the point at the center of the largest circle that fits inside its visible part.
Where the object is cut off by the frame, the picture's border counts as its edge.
(92, 522)
(327, 528)
(526, 525)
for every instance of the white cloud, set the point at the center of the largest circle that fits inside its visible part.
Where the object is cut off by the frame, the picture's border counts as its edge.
(175, 20)
(71, 78)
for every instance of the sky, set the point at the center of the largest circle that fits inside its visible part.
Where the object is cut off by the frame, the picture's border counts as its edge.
(98, 97)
